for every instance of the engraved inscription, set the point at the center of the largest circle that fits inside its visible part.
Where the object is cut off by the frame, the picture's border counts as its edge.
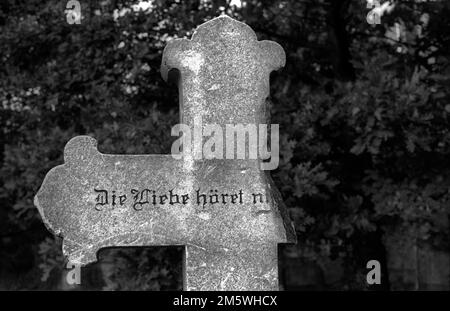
(145, 197)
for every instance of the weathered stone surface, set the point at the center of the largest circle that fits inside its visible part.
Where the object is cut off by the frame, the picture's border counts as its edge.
(224, 72)
(230, 245)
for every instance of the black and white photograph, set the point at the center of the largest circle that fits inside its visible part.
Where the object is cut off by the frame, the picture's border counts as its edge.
(241, 148)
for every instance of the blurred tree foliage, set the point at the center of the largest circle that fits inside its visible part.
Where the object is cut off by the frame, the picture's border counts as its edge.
(363, 111)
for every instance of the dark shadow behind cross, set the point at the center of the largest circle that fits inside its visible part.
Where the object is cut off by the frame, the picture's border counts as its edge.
(96, 200)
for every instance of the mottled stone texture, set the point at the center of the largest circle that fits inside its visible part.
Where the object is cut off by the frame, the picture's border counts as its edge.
(224, 78)
(224, 72)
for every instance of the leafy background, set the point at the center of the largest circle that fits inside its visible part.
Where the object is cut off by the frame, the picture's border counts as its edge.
(364, 117)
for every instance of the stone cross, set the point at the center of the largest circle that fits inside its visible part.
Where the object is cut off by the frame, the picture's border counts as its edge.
(226, 213)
